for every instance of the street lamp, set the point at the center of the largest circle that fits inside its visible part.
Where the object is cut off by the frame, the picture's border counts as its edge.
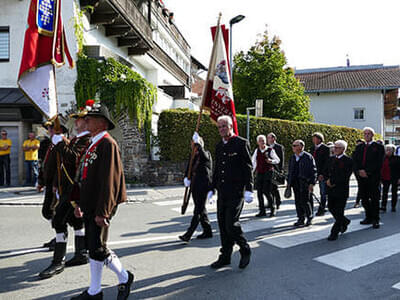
(234, 20)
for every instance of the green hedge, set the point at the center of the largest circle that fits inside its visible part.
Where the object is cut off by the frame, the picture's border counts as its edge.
(175, 129)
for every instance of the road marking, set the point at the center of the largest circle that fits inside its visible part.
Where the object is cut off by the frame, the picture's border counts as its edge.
(353, 258)
(307, 235)
(396, 286)
(169, 202)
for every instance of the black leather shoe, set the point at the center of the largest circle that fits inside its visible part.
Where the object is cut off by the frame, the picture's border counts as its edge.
(77, 260)
(261, 214)
(221, 262)
(333, 236)
(309, 222)
(356, 205)
(272, 214)
(205, 235)
(124, 289)
(184, 238)
(299, 223)
(52, 270)
(344, 227)
(244, 259)
(365, 222)
(375, 225)
(85, 296)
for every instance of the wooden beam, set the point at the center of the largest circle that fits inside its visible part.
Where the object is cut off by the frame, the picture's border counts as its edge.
(128, 41)
(103, 18)
(118, 30)
(137, 50)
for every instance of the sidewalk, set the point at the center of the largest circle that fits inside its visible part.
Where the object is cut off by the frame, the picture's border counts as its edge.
(29, 196)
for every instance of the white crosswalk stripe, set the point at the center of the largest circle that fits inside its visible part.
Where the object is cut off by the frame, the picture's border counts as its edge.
(355, 257)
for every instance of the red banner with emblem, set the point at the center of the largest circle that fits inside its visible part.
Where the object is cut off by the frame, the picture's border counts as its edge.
(218, 90)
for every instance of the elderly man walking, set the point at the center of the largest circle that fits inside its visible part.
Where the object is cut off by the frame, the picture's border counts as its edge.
(302, 178)
(337, 174)
(368, 160)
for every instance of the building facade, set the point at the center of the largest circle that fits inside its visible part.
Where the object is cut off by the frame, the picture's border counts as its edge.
(353, 96)
(140, 34)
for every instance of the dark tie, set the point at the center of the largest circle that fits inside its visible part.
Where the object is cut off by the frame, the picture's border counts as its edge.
(365, 155)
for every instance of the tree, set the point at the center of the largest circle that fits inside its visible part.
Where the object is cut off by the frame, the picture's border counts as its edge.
(261, 73)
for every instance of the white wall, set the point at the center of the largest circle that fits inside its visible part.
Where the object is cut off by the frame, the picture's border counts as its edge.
(338, 109)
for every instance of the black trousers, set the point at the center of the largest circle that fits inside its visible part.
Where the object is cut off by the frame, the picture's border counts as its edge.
(302, 199)
(336, 205)
(5, 169)
(48, 203)
(96, 238)
(229, 208)
(264, 187)
(64, 215)
(369, 193)
(275, 195)
(386, 184)
(200, 212)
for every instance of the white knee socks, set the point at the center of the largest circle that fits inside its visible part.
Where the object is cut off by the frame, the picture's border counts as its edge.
(115, 265)
(96, 270)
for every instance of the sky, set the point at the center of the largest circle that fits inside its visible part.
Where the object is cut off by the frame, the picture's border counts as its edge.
(314, 33)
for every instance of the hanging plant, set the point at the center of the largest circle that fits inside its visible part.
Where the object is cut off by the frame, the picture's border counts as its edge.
(121, 89)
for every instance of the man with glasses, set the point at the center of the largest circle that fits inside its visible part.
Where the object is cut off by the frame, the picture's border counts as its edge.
(337, 174)
(5, 149)
(302, 177)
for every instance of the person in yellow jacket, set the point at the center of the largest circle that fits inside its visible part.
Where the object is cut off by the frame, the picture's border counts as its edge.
(31, 147)
(5, 149)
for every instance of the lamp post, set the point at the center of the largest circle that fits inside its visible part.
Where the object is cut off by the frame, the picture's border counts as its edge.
(234, 20)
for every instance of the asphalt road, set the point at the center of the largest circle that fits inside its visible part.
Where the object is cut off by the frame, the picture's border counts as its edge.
(286, 263)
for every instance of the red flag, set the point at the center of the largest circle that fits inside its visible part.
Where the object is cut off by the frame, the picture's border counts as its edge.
(44, 47)
(218, 90)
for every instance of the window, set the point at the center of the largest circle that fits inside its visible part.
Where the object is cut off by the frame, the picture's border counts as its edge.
(359, 114)
(4, 44)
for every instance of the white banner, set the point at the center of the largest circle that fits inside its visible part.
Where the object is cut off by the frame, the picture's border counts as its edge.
(39, 87)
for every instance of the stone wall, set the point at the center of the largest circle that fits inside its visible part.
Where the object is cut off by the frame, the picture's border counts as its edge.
(138, 166)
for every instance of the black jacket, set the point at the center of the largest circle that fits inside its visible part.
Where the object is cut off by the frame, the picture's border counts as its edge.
(233, 167)
(321, 157)
(307, 169)
(280, 151)
(338, 171)
(201, 175)
(373, 162)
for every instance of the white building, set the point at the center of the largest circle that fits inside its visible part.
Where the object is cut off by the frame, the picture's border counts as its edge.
(139, 33)
(353, 96)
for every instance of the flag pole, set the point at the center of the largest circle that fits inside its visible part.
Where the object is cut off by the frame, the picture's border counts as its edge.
(203, 98)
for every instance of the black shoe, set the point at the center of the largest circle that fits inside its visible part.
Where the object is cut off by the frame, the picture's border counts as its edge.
(365, 222)
(184, 238)
(393, 209)
(51, 244)
(58, 263)
(375, 225)
(77, 260)
(205, 235)
(221, 262)
(344, 227)
(245, 258)
(124, 289)
(309, 222)
(356, 205)
(382, 209)
(272, 214)
(333, 237)
(320, 212)
(52, 270)
(299, 223)
(85, 296)
(261, 214)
